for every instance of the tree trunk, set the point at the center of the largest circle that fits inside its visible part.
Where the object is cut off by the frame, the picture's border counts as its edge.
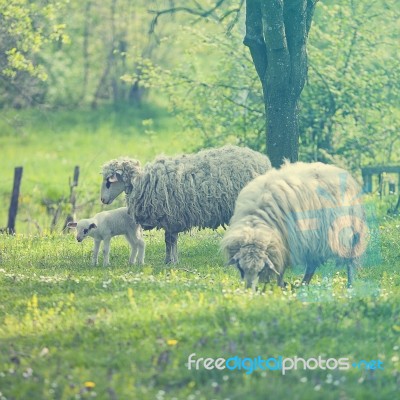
(86, 56)
(282, 129)
(276, 34)
(105, 82)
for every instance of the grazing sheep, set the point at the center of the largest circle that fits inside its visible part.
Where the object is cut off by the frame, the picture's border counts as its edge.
(179, 193)
(107, 224)
(302, 214)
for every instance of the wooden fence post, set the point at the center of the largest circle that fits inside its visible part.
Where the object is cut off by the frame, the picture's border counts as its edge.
(72, 198)
(12, 212)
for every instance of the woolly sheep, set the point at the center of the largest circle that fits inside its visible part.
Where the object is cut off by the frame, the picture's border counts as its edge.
(107, 224)
(302, 214)
(179, 193)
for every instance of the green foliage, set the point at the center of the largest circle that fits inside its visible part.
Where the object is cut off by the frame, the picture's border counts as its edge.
(70, 330)
(212, 87)
(26, 29)
(349, 107)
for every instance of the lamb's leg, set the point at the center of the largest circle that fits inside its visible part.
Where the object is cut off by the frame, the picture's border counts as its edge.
(171, 249)
(141, 250)
(132, 242)
(137, 247)
(106, 252)
(96, 248)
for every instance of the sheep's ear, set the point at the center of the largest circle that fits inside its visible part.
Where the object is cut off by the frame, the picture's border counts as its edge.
(92, 225)
(271, 266)
(233, 260)
(113, 178)
(72, 224)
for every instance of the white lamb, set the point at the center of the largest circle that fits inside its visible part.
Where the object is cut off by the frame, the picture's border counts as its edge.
(104, 226)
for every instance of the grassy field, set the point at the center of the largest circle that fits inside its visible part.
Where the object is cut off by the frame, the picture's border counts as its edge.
(128, 331)
(72, 331)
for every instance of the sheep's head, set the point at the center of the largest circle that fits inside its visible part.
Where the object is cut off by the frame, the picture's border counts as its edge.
(83, 228)
(118, 176)
(256, 255)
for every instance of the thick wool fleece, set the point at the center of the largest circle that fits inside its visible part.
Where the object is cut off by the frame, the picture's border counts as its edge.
(301, 214)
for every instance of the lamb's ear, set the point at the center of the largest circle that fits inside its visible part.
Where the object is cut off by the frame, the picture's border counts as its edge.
(72, 224)
(92, 225)
(113, 178)
(270, 265)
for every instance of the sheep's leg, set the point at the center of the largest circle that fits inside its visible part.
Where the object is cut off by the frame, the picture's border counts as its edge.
(310, 269)
(351, 266)
(174, 250)
(281, 282)
(167, 248)
(171, 249)
(106, 252)
(96, 248)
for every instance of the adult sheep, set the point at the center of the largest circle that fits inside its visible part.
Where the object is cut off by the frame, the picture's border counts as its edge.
(182, 192)
(302, 214)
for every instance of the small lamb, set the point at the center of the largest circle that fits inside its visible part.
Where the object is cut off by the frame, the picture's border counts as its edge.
(107, 224)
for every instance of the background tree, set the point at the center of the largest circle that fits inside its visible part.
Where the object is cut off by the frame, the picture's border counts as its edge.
(25, 29)
(349, 107)
(276, 34)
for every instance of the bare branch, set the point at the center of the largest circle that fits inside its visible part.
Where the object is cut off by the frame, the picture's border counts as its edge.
(333, 107)
(276, 42)
(310, 13)
(254, 38)
(253, 110)
(235, 18)
(200, 12)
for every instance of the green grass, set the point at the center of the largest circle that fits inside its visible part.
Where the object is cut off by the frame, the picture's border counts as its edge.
(127, 330)
(130, 330)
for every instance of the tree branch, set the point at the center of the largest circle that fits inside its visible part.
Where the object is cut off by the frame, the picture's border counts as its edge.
(200, 12)
(252, 110)
(276, 42)
(310, 13)
(254, 38)
(332, 101)
(295, 17)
